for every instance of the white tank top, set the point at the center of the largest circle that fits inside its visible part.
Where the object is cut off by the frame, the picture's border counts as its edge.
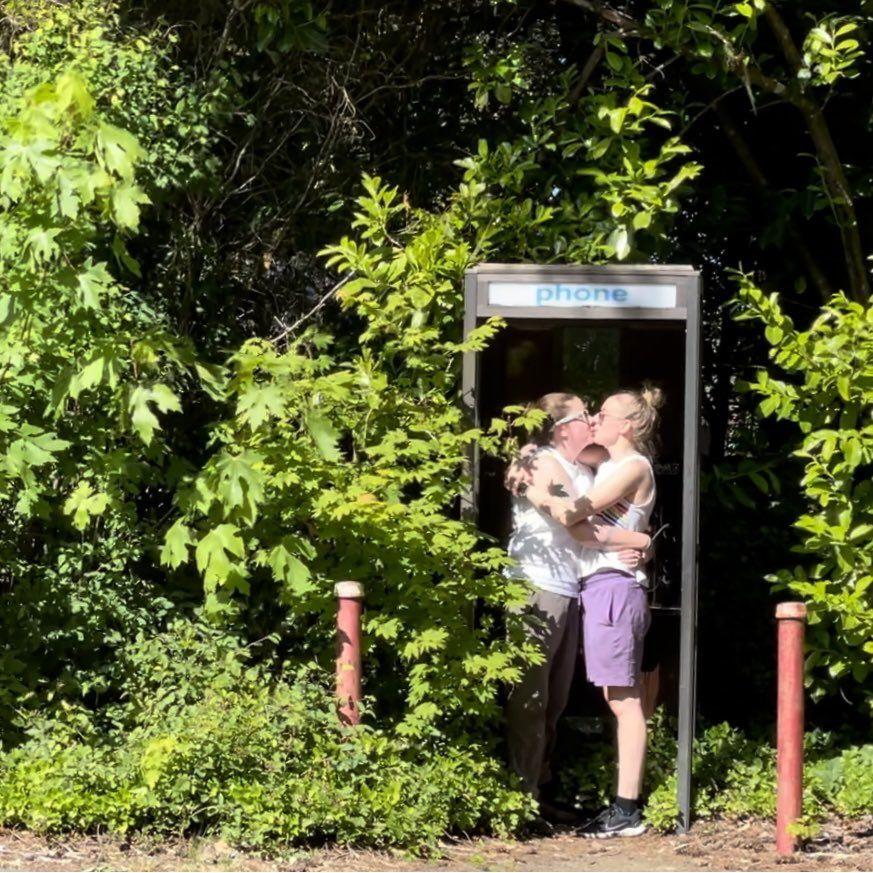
(546, 553)
(624, 514)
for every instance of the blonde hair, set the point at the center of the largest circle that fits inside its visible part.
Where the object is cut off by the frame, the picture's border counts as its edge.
(643, 413)
(556, 406)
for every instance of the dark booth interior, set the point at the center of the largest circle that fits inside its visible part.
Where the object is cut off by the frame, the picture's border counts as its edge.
(593, 359)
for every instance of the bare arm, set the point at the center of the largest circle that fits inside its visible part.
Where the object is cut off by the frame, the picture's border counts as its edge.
(519, 473)
(549, 485)
(607, 537)
(622, 483)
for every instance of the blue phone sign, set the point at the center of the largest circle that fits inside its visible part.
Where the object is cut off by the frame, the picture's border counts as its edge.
(563, 294)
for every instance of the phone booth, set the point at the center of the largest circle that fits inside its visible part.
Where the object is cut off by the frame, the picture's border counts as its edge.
(592, 331)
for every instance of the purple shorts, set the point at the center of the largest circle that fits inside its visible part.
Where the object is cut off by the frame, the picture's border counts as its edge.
(615, 618)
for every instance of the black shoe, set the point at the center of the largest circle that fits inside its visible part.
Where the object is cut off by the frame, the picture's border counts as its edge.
(612, 822)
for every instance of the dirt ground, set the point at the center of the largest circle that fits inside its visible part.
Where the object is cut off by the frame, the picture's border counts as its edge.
(709, 846)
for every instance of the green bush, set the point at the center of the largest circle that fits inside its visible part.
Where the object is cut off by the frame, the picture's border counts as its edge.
(847, 777)
(222, 749)
(734, 775)
(324, 458)
(264, 765)
(828, 394)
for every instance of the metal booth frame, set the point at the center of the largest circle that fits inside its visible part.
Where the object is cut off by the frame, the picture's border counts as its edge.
(664, 293)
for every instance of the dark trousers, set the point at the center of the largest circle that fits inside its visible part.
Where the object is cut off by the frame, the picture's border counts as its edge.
(536, 703)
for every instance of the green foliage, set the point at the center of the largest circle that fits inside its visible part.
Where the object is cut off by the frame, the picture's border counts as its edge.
(587, 179)
(828, 395)
(164, 178)
(720, 39)
(831, 50)
(335, 469)
(351, 463)
(285, 25)
(335, 462)
(91, 370)
(734, 775)
(208, 743)
(132, 78)
(498, 74)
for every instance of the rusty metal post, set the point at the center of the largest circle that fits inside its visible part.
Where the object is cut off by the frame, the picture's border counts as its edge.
(350, 605)
(791, 623)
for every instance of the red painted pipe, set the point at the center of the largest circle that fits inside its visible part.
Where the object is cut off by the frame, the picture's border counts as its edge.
(790, 620)
(350, 605)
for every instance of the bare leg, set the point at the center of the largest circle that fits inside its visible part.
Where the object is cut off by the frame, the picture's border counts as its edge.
(627, 706)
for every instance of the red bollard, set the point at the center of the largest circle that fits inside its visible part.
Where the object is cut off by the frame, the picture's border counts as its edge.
(790, 620)
(350, 605)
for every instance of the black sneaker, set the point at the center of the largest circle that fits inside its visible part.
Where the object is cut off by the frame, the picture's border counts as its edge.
(612, 822)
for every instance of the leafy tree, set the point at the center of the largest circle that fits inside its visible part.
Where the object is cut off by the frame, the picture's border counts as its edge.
(828, 395)
(90, 368)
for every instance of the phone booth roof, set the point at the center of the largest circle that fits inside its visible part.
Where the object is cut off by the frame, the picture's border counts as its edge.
(612, 294)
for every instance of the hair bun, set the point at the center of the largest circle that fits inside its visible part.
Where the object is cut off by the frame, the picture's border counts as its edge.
(652, 396)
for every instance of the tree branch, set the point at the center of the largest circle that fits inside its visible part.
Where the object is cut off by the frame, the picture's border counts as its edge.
(833, 175)
(783, 37)
(591, 64)
(757, 175)
(736, 64)
(628, 25)
(328, 295)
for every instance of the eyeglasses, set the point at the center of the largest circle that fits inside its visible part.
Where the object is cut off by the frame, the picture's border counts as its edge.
(603, 414)
(579, 416)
